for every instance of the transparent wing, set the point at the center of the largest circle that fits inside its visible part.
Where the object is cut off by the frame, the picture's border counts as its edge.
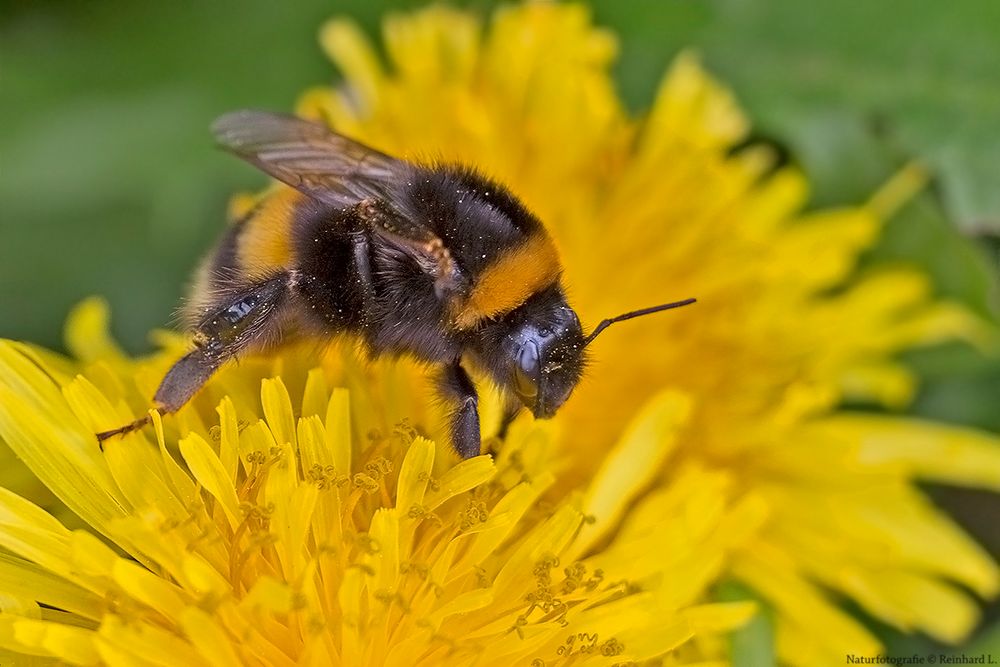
(334, 169)
(309, 156)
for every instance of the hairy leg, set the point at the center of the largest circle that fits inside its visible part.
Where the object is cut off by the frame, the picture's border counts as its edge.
(246, 316)
(456, 385)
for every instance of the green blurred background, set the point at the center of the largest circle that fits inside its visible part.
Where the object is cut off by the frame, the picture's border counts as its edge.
(109, 184)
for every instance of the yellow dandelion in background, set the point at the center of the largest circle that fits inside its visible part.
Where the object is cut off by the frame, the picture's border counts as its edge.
(313, 532)
(784, 332)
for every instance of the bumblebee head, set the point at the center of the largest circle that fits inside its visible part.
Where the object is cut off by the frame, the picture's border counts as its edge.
(548, 358)
(538, 351)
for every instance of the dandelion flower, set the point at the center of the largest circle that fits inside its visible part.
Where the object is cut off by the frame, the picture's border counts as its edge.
(281, 532)
(669, 206)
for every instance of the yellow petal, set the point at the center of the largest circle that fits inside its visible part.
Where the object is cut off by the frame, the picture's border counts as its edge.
(385, 561)
(269, 594)
(914, 602)
(60, 369)
(87, 333)
(316, 394)
(148, 588)
(28, 580)
(291, 523)
(414, 475)
(794, 598)
(338, 430)
(177, 478)
(889, 383)
(318, 468)
(292, 506)
(149, 643)
(208, 470)
(136, 468)
(38, 426)
(229, 437)
(350, 595)
(450, 33)
(688, 99)
(278, 410)
(255, 441)
(313, 446)
(208, 638)
(514, 503)
(33, 534)
(115, 657)
(201, 577)
(631, 465)
(463, 604)
(719, 617)
(468, 474)
(348, 47)
(72, 645)
(90, 556)
(950, 454)
(548, 539)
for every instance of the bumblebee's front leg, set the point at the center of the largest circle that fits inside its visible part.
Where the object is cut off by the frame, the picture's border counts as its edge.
(361, 247)
(511, 408)
(246, 316)
(457, 387)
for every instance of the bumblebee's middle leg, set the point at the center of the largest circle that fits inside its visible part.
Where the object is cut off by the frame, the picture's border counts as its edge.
(457, 386)
(245, 317)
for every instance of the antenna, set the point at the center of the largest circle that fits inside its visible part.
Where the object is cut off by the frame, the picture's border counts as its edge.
(635, 313)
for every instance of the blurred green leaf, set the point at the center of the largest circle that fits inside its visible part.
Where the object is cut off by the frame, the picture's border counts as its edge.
(988, 642)
(958, 384)
(960, 270)
(753, 644)
(924, 75)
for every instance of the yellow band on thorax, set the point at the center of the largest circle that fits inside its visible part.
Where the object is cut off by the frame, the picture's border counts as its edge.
(509, 282)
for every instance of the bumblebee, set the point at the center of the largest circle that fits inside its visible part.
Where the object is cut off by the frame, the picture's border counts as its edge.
(434, 261)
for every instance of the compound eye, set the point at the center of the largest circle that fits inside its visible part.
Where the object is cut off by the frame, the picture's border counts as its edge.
(526, 370)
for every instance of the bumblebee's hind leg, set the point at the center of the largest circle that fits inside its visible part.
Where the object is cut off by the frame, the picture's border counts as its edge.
(247, 316)
(122, 430)
(180, 383)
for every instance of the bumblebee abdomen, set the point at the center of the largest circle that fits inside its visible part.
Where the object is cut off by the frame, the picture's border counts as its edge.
(255, 247)
(263, 242)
